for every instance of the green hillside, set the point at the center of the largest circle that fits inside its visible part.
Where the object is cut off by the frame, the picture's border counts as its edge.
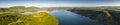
(42, 18)
(110, 16)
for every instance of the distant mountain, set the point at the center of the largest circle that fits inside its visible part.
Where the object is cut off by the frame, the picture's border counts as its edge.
(90, 7)
(109, 6)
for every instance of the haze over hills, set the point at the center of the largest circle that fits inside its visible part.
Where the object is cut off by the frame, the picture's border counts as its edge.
(71, 7)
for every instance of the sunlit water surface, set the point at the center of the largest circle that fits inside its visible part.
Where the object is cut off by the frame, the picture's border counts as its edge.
(69, 18)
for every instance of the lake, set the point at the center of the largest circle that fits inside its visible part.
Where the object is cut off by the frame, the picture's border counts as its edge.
(69, 18)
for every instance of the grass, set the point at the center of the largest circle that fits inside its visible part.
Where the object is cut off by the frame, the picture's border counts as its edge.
(13, 16)
(42, 18)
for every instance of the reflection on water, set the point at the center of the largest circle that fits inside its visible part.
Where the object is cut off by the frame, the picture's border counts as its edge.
(69, 18)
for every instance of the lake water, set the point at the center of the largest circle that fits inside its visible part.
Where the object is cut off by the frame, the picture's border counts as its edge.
(69, 18)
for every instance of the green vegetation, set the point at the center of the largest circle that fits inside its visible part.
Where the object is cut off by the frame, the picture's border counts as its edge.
(7, 18)
(111, 16)
(13, 16)
(41, 18)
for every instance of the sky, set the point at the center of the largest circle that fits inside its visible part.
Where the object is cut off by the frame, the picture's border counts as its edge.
(59, 3)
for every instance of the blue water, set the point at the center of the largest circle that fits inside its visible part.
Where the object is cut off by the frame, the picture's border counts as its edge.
(35, 12)
(69, 18)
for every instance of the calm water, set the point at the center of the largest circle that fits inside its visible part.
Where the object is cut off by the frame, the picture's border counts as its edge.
(69, 18)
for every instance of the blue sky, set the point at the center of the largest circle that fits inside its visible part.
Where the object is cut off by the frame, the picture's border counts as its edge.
(59, 3)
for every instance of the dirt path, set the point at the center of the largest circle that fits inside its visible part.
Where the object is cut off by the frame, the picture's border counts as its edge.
(15, 22)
